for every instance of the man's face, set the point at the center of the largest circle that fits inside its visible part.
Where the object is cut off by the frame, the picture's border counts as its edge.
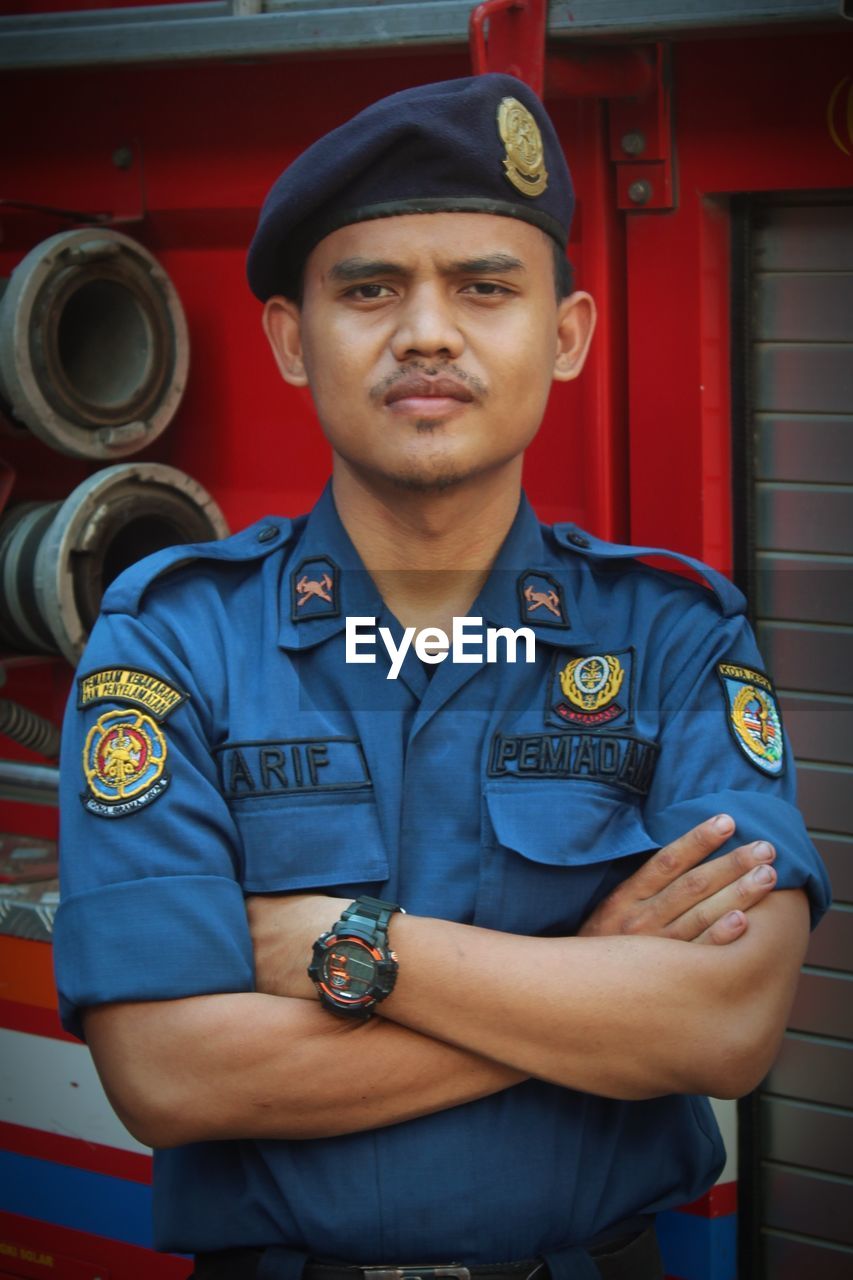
(430, 342)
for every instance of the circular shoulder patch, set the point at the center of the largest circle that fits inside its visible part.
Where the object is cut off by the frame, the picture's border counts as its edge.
(124, 760)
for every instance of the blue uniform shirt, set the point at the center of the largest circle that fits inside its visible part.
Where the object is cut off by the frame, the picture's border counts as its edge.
(219, 743)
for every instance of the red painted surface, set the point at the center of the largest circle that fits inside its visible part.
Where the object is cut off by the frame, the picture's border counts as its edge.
(33, 1021)
(516, 39)
(27, 969)
(76, 1255)
(132, 1166)
(645, 121)
(720, 1201)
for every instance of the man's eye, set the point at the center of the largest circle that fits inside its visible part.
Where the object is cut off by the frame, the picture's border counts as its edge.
(486, 289)
(367, 292)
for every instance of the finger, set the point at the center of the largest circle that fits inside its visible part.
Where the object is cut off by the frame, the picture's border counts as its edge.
(679, 856)
(701, 883)
(728, 929)
(734, 900)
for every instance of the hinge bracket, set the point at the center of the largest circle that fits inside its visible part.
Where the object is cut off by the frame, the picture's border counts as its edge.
(641, 142)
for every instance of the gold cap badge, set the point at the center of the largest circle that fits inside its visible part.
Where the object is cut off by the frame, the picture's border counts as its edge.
(524, 163)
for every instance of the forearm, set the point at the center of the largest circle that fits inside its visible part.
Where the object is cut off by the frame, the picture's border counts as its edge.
(256, 1066)
(602, 1015)
(626, 1017)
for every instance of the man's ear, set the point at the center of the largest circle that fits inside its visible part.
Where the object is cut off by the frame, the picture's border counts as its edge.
(283, 327)
(575, 326)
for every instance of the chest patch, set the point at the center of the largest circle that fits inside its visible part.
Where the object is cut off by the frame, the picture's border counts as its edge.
(258, 770)
(589, 691)
(617, 759)
(754, 717)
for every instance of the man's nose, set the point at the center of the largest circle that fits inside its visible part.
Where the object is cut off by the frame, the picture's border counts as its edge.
(427, 326)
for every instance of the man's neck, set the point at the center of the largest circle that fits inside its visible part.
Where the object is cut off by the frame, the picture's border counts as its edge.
(428, 553)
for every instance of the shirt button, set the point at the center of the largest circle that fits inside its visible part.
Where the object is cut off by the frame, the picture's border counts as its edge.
(267, 534)
(578, 540)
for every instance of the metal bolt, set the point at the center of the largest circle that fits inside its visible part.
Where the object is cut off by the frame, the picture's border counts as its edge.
(640, 192)
(123, 157)
(634, 144)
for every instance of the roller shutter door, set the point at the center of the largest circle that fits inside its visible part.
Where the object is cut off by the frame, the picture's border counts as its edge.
(798, 418)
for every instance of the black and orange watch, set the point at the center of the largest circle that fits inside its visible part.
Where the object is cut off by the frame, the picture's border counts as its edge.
(352, 966)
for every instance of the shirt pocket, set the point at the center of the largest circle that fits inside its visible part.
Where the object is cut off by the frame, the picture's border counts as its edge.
(553, 850)
(306, 842)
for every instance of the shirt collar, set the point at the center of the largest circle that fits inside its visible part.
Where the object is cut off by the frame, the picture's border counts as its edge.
(527, 586)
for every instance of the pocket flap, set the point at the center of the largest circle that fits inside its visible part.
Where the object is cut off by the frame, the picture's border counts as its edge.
(300, 844)
(569, 824)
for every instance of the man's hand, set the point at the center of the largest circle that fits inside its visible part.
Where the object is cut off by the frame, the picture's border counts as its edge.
(671, 896)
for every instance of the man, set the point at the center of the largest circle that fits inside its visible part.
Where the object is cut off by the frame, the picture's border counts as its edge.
(504, 1079)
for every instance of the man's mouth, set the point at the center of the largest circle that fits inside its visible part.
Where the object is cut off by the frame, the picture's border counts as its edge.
(427, 397)
(424, 388)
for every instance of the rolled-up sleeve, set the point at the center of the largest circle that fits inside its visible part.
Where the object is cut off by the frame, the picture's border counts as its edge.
(151, 904)
(706, 765)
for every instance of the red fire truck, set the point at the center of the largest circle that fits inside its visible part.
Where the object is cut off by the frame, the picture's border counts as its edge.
(712, 146)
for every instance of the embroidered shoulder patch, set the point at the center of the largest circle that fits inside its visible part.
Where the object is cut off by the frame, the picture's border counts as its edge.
(124, 761)
(540, 599)
(314, 590)
(126, 684)
(754, 717)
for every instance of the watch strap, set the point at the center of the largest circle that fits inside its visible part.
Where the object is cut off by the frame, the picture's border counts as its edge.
(374, 911)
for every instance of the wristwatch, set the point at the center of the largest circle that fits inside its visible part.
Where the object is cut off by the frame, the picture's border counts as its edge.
(353, 967)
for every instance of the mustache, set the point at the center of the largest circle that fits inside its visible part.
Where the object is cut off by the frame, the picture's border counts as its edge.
(420, 378)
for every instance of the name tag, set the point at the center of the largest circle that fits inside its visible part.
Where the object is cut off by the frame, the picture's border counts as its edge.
(613, 758)
(258, 769)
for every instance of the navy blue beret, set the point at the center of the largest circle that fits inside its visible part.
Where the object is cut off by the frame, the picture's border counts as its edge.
(482, 144)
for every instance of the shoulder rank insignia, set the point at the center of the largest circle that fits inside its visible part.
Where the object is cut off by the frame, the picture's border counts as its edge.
(124, 760)
(592, 690)
(314, 590)
(124, 684)
(524, 162)
(541, 600)
(754, 717)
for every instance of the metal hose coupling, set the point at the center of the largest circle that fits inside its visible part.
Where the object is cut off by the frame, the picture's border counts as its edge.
(94, 350)
(58, 558)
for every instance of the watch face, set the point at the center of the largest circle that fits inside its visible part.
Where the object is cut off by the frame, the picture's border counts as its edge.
(348, 969)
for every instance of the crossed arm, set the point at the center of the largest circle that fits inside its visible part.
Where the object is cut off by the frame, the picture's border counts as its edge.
(630, 1008)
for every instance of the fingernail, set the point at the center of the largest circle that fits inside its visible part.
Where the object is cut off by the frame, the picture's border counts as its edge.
(723, 824)
(733, 920)
(763, 875)
(763, 850)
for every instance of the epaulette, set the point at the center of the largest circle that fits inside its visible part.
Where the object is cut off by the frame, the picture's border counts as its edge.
(730, 599)
(124, 595)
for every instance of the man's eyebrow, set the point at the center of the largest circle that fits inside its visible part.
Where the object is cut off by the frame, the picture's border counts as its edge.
(350, 269)
(490, 263)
